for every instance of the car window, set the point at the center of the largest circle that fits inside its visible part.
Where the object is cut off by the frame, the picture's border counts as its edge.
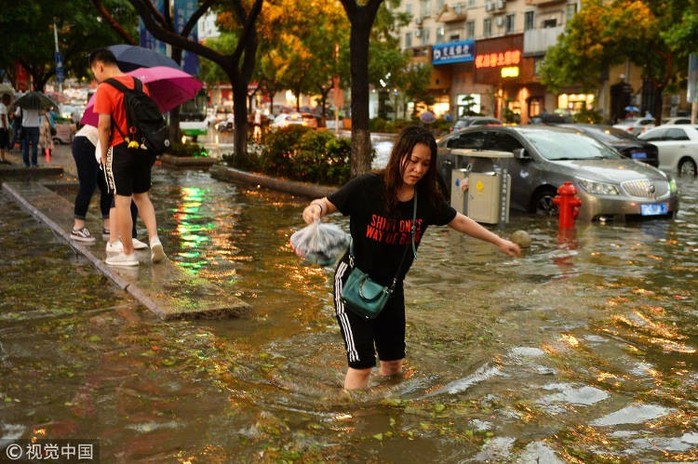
(646, 122)
(568, 146)
(503, 142)
(472, 140)
(656, 135)
(676, 134)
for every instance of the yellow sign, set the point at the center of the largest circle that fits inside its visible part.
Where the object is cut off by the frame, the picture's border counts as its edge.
(479, 186)
(510, 71)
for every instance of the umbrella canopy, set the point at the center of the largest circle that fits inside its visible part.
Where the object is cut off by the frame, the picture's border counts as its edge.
(632, 108)
(132, 57)
(7, 89)
(168, 87)
(427, 117)
(35, 101)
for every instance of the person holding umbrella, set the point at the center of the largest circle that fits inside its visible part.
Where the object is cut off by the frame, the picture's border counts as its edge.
(128, 170)
(29, 108)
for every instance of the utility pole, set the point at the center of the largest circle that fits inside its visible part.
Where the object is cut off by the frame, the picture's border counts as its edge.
(59, 59)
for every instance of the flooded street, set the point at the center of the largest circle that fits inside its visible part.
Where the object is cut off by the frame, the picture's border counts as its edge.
(583, 350)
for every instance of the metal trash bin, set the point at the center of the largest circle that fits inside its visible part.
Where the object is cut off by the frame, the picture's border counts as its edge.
(481, 189)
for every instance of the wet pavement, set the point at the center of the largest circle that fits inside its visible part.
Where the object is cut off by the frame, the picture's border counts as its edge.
(581, 351)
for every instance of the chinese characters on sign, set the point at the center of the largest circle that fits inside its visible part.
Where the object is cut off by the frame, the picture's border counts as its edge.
(453, 52)
(495, 60)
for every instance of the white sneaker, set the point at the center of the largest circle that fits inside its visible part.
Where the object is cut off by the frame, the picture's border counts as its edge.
(114, 248)
(122, 260)
(157, 253)
(138, 245)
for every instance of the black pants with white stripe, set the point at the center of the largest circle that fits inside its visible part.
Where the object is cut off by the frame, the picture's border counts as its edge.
(363, 338)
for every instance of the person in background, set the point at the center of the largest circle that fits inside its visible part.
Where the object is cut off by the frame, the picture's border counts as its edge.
(380, 209)
(4, 127)
(45, 136)
(89, 177)
(128, 169)
(31, 120)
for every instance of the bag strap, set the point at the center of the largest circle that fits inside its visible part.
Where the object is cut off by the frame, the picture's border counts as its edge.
(137, 85)
(413, 230)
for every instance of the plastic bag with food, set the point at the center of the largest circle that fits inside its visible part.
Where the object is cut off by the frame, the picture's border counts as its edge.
(320, 243)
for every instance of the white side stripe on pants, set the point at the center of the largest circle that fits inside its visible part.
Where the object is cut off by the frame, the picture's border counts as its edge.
(341, 313)
(109, 171)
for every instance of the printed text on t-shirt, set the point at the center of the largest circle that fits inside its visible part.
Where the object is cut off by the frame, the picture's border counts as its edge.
(392, 231)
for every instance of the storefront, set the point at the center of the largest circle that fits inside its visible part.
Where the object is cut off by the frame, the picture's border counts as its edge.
(499, 63)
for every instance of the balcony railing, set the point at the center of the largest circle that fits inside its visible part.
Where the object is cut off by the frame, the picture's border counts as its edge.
(537, 41)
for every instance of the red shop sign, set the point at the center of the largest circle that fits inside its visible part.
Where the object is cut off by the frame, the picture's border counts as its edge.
(495, 60)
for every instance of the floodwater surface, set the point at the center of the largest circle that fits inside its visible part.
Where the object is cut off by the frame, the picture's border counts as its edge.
(583, 350)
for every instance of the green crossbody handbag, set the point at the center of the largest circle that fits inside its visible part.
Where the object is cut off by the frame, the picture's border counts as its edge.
(365, 297)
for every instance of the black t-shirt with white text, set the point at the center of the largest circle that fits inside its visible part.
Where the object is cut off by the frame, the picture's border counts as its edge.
(379, 239)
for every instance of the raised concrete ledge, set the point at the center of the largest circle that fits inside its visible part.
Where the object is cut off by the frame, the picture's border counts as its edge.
(187, 161)
(304, 189)
(163, 288)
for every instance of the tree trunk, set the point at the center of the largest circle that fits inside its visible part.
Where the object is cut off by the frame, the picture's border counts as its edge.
(361, 18)
(360, 134)
(240, 107)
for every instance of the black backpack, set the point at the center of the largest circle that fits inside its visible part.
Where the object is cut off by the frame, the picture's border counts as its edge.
(146, 126)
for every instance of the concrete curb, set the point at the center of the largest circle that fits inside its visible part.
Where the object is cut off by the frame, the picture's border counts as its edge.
(187, 161)
(304, 189)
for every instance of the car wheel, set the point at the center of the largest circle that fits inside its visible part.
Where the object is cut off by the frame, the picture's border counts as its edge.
(687, 167)
(57, 141)
(542, 202)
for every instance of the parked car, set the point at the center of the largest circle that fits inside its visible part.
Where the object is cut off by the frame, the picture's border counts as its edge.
(287, 119)
(468, 121)
(678, 148)
(677, 120)
(309, 120)
(543, 158)
(635, 126)
(627, 144)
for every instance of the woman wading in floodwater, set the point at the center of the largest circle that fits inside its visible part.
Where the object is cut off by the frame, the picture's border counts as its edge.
(380, 207)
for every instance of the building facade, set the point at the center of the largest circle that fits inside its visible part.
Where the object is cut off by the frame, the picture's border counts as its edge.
(485, 55)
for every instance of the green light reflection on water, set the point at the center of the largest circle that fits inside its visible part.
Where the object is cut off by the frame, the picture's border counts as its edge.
(192, 232)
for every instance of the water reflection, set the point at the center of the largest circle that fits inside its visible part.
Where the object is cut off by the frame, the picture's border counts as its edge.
(582, 350)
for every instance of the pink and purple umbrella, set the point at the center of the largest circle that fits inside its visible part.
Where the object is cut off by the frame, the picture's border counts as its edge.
(168, 87)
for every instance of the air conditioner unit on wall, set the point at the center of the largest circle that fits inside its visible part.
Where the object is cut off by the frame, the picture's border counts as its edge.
(501, 4)
(418, 20)
(441, 30)
(489, 6)
(500, 21)
(418, 33)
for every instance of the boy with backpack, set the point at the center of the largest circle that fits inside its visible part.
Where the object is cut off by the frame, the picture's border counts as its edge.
(127, 156)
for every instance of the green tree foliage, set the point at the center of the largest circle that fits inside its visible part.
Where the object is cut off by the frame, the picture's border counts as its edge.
(29, 39)
(652, 34)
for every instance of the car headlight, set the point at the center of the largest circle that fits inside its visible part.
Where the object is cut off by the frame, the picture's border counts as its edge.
(598, 188)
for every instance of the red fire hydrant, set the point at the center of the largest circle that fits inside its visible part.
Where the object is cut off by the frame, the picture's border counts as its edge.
(568, 204)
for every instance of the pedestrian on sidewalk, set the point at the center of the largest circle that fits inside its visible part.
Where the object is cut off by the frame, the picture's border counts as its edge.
(45, 136)
(31, 120)
(89, 177)
(128, 169)
(387, 222)
(4, 127)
